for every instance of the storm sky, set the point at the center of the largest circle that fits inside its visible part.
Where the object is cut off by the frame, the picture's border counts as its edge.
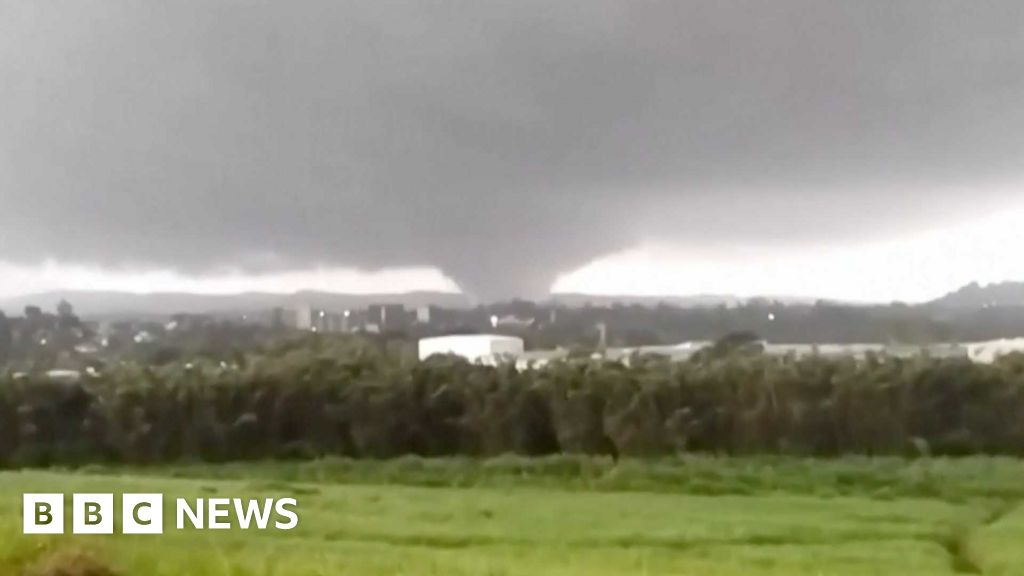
(503, 146)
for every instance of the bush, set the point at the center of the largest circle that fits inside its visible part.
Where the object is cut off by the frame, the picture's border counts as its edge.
(307, 404)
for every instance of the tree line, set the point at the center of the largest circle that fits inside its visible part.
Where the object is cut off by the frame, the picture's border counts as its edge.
(365, 401)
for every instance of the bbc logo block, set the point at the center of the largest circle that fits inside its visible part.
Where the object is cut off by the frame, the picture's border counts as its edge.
(144, 513)
(43, 513)
(93, 514)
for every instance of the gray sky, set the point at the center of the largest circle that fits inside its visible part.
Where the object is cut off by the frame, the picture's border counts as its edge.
(503, 142)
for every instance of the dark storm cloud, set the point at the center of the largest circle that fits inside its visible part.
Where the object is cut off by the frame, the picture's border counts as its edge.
(501, 141)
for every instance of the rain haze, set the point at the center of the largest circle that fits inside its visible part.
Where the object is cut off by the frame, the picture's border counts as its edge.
(855, 150)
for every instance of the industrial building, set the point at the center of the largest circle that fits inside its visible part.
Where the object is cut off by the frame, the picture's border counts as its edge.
(482, 348)
(540, 358)
(988, 352)
(674, 352)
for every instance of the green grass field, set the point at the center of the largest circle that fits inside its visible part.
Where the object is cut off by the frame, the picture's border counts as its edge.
(560, 516)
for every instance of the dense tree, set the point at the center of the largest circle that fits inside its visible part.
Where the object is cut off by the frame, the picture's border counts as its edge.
(360, 398)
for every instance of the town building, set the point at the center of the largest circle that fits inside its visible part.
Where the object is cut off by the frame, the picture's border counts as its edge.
(388, 317)
(988, 352)
(482, 348)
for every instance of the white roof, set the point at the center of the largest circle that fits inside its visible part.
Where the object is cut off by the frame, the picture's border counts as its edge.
(472, 337)
(471, 346)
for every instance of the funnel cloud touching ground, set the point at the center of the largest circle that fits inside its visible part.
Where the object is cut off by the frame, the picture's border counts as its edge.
(503, 142)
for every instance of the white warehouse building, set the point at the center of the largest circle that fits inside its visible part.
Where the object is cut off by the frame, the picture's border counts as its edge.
(988, 352)
(483, 348)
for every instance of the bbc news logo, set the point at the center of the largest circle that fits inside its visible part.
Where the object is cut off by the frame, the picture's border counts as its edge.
(144, 513)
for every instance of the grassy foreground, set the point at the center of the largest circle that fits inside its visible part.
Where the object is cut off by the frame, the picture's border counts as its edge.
(559, 516)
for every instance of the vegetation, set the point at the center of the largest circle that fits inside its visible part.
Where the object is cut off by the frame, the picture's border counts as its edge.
(954, 480)
(564, 516)
(348, 397)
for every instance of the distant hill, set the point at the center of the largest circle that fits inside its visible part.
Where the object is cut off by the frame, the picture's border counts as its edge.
(112, 305)
(116, 304)
(695, 301)
(975, 295)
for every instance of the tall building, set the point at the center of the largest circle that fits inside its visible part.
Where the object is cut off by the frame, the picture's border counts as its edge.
(334, 322)
(423, 314)
(277, 318)
(389, 317)
(304, 318)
